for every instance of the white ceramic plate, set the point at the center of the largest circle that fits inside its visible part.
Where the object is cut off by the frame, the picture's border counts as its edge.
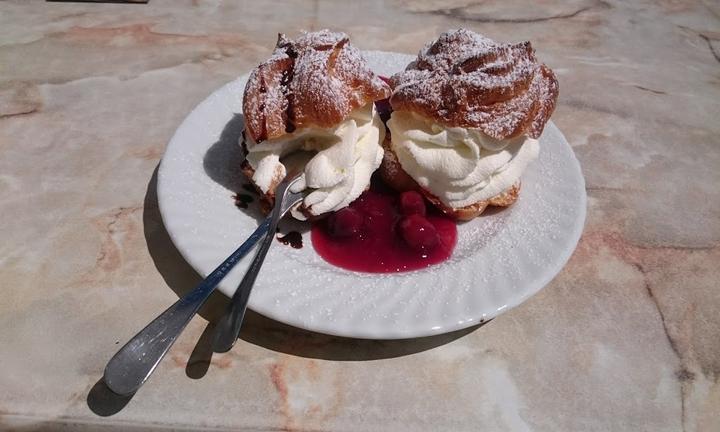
(501, 258)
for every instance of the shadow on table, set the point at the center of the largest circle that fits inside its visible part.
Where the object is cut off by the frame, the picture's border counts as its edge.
(221, 162)
(103, 402)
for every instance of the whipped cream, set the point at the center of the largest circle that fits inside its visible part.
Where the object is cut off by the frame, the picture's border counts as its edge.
(338, 170)
(460, 166)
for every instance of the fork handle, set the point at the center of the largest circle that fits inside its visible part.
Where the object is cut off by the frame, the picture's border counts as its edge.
(131, 366)
(228, 328)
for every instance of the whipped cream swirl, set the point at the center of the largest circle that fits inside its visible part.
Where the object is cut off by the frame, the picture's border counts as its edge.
(460, 166)
(340, 164)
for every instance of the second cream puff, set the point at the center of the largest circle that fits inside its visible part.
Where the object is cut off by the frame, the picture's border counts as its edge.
(466, 117)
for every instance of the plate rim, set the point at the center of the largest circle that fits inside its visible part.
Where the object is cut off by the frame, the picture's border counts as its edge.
(535, 285)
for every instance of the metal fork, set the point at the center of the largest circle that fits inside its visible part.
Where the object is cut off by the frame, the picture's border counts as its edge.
(131, 366)
(228, 328)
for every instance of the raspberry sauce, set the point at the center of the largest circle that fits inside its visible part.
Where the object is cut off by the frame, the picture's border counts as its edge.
(381, 233)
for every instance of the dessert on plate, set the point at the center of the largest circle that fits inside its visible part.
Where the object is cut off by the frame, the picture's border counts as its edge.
(466, 118)
(314, 97)
(464, 121)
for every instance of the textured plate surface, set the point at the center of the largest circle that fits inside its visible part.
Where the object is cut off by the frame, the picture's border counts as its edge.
(502, 258)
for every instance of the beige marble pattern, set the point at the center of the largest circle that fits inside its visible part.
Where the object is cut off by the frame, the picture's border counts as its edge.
(626, 338)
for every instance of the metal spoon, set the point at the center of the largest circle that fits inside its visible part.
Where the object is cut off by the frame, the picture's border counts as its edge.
(228, 328)
(131, 366)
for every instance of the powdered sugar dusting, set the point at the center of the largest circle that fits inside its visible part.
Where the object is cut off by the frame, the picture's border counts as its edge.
(465, 79)
(317, 79)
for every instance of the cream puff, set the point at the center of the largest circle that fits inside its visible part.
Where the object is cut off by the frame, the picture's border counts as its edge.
(315, 95)
(466, 118)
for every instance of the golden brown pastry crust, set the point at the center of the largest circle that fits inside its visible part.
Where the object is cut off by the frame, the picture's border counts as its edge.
(466, 80)
(393, 174)
(316, 79)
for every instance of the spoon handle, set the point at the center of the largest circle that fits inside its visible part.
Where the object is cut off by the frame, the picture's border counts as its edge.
(131, 366)
(228, 327)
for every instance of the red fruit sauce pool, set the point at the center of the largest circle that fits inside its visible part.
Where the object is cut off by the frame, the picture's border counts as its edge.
(376, 244)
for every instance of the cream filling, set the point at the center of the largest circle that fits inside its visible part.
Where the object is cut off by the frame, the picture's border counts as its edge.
(460, 166)
(345, 156)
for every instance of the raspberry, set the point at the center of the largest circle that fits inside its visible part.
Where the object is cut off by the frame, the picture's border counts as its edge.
(418, 232)
(411, 203)
(345, 222)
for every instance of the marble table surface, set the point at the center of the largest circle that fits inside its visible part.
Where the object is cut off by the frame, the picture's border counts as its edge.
(625, 338)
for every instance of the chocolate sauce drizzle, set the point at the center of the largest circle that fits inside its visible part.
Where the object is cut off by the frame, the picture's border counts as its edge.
(242, 200)
(293, 238)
